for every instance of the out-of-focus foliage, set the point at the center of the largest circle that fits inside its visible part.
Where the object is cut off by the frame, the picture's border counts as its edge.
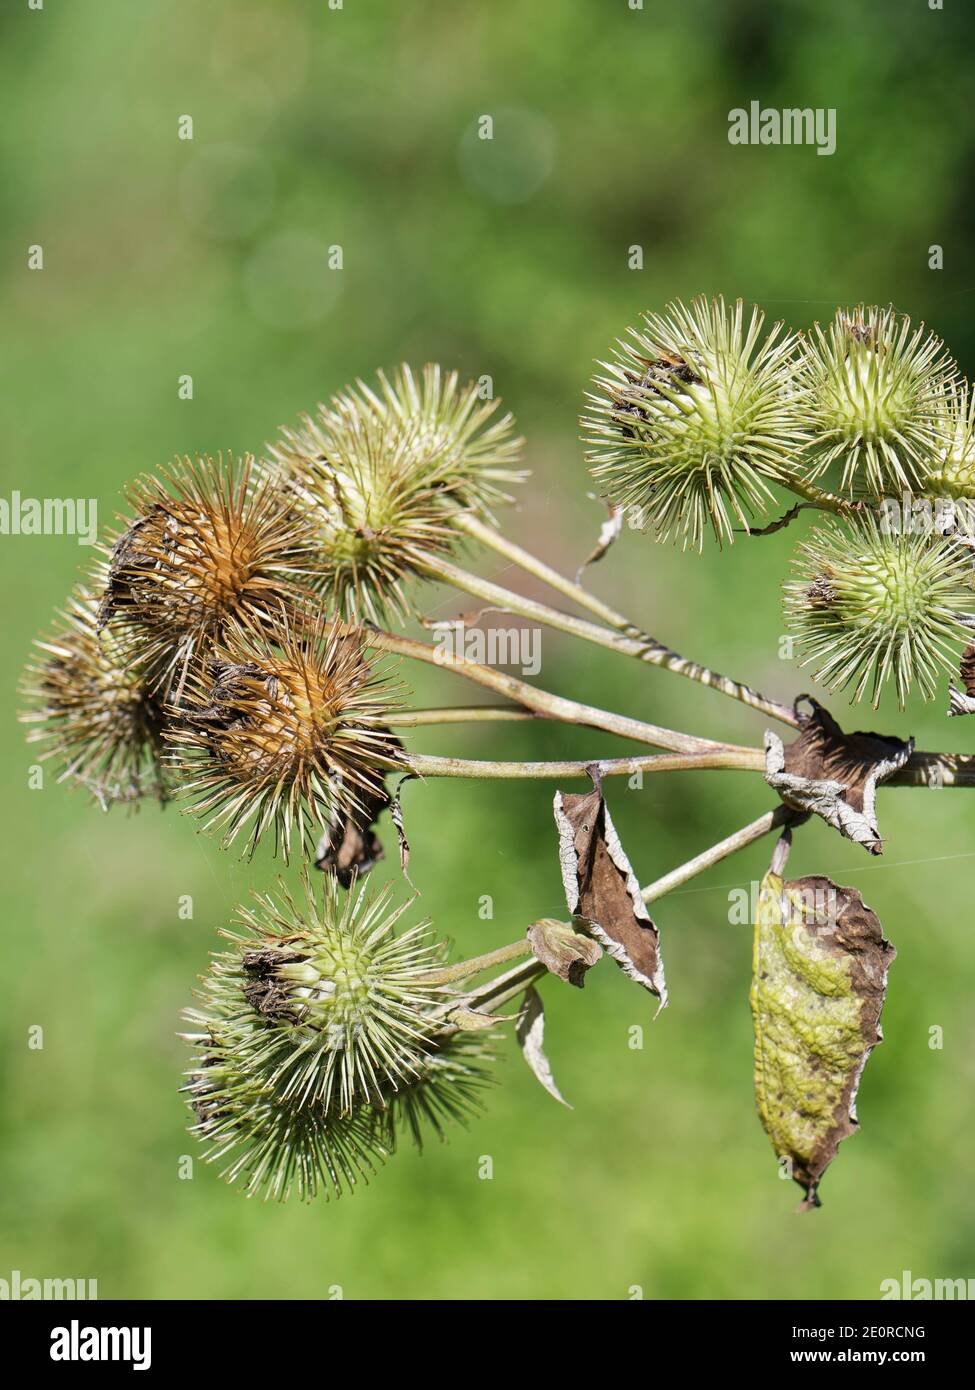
(358, 128)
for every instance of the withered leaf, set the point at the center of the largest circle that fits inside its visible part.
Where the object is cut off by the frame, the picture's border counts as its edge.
(602, 889)
(396, 815)
(608, 534)
(963, 701)
(128, 563)
(349, 847)
(530, 1032)
(563, 950)
(818, 986)
(835, 775)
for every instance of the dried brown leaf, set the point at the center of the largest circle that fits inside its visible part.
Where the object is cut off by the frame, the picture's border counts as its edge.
(608, 533)
(963, 701)
(834, 774)
(602, 889)
(563, 950)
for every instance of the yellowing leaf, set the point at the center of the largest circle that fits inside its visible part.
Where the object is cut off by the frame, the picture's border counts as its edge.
(818, 986)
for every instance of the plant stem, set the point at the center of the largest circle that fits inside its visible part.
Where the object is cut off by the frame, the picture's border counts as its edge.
(825, 501)
(742, 760)
(626, 638)
(924, 769)
(936, 770)
(497, 992)
(543, 702)
(491, 996)
(464, 969)
(781, 815)
(458, 714)
(500, 544)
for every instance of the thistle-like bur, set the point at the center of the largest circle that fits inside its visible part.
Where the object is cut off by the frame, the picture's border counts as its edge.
(286, 734)
(211, 548)
(92, 707)
(950, 472)
(320, 1035)
(693, 419)
(385, 474)
(873, 392)
(870, 605)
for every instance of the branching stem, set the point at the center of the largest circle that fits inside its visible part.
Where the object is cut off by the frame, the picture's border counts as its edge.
(459, 714)
(747, 835)
(464, 969)
(741, 760)
(622, 636)
(545, 703)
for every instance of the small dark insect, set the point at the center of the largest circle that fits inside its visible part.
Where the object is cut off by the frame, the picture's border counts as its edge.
(821, 593)
(858, 330)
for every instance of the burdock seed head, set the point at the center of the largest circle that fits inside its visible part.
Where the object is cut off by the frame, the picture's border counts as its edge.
(951, 471)
(319, 1032)
(692, 419)
(870, 604)
(385, 473)
(92, 707)
(274, 1149)
(320, 996)
(286, 733)
(448, 1088)
(210, 549)
(873, 393)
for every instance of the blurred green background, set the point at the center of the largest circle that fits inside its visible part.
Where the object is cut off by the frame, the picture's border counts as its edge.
(312, 128)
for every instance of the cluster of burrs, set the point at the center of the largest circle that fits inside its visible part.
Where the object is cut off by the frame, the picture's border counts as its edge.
(230, 647)
(704, 421)
(219, 650)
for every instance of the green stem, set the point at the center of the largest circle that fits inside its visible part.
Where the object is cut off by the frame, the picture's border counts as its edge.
(923, 770)
(825, 501)
(747, 835)
(458, 714)
(464, 969)
(742, 760)
(505, 987)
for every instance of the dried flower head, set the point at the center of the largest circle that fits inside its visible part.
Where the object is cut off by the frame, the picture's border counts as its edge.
(93, 708)
(286, 733)
(385, 475)
(210, 549)
(319, 1033)
(692, 420)
(872, 604)
(873, 392)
